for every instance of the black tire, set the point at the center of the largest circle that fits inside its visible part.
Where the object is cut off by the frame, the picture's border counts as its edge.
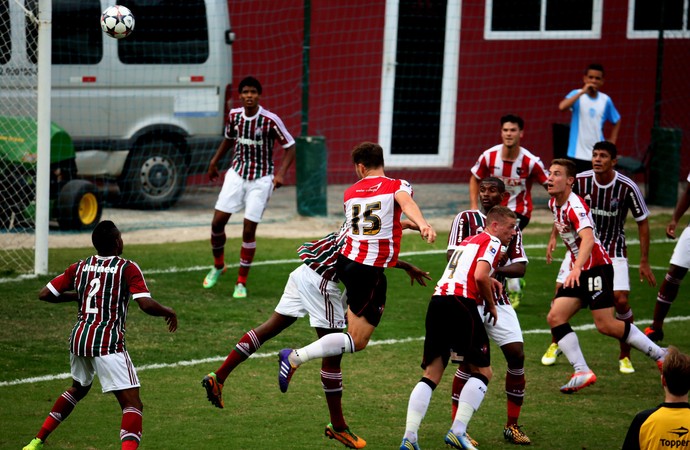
(155, 175)
(79, 206)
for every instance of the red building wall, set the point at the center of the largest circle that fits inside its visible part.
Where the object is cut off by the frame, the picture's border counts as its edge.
(528, 77)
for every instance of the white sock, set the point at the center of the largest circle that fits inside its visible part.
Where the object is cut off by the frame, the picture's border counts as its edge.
(330, 345)
(640, 341)
(416, 409)
(471, 397)
(513, 285)
(570, 346)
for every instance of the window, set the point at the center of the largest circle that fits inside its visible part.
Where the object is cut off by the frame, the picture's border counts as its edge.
(166, 32)
(543, 19)
(77, 35)
(645, 18)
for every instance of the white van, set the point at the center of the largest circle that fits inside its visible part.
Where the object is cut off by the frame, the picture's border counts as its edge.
(144, 111)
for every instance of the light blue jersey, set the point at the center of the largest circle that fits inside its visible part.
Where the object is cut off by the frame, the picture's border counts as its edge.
(587, 123)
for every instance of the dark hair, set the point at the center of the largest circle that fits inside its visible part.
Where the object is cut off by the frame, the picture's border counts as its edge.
(369, 154)
(104, 237)
(607, 146)
(595, 66)
(497, 181)
(676, 371)
(569, 164)
(513, 118)
(251, 82)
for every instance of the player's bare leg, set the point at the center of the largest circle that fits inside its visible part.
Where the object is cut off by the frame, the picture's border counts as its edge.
(625, 314)
(665, 298)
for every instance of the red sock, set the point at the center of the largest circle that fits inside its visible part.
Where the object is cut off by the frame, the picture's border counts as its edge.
(515, 391)
(459, 381)
(62, 408)
(246, 258)
(248, 344)
(332, 383)
(130, 430)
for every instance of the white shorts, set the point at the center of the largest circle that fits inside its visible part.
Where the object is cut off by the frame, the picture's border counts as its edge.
(507, 328)
(115, 371)
(238, 193)
(681, 252)
(621, 275)
(307, 292)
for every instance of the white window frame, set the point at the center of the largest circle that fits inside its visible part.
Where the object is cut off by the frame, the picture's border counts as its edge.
(542, 34)
(653, 34)
(449, 89)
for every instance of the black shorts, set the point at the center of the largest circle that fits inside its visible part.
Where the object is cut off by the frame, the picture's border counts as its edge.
(595, 290)
(365, 287)
(454, 323)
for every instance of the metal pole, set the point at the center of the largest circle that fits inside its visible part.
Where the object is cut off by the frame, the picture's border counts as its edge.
(45, 14)
(305, 67)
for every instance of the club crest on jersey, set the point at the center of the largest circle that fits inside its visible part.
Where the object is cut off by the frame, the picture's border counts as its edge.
(518, 171)
(614, 203)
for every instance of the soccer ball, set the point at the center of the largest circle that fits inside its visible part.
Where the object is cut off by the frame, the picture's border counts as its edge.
(117, 21)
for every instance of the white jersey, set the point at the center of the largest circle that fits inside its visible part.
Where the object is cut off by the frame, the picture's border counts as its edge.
(458, 277)
(587, 123)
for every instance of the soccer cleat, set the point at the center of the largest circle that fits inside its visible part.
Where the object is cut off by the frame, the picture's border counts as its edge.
(625, 365)
(407, 444)
(347, 437)
(654, 335)
(458, 441)
(549, 358)
(214, 390)
(516, 296)
(472, 441)
(579, 380)
(35, 444)
(212, 276)
(514, 435)
(285, 369)
(240, 291)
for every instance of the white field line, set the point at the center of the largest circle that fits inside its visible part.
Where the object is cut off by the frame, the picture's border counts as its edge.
(296, 261)
(194, 362)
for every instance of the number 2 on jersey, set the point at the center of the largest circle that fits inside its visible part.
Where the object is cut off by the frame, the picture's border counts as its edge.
(94, 287)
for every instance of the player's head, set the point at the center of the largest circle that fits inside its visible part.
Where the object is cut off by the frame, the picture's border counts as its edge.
(513, 118)
(604, 156)
(594, 75)
(501, 222)
(249, 82)
(676, 372)
(106, 238)
(368, 154)
(492, 191)
(607, 146)
(561, 176)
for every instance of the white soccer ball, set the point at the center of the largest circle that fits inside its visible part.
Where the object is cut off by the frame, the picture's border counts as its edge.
(117, 21)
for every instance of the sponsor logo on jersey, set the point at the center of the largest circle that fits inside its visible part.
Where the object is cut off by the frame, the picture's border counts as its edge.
(680, 432)
(373, 188)
(99, 269)
(604, 213)
(246, 141)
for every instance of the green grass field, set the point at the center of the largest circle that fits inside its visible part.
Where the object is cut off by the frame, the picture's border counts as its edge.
(378, 381)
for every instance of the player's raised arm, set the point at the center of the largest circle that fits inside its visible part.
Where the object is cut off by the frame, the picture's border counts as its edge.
(411, 210)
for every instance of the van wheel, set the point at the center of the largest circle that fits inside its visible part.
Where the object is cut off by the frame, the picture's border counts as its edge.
(155, 176)
(79, 206)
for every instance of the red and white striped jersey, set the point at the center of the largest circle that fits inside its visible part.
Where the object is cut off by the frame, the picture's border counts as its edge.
(103, 285)
(471, 222)
(254, 138)
(373, 217)
(458, 276)
(609, 206)
(569, 219)
(518, 176)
